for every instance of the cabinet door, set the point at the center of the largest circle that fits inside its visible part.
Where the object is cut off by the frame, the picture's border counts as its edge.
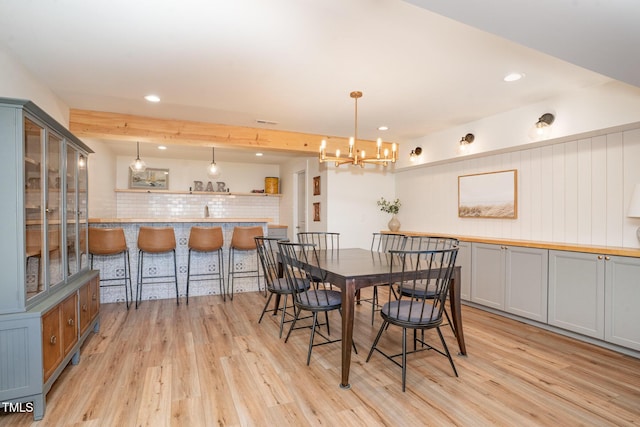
(53, 210)
(526, 282)
(33, 208)
(622, 288)
(94, 297)
(464, 261)
(85, 307)
(69, 323)
(51, 341)
(576, 292)
(487, 275)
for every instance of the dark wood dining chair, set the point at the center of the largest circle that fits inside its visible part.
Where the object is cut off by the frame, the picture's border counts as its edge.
(412, 271)
(308, 295)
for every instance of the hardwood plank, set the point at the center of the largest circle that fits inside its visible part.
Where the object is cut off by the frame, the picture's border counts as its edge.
(211, 363)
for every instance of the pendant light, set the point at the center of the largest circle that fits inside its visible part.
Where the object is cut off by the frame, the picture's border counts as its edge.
(213, 171)
(138, 165)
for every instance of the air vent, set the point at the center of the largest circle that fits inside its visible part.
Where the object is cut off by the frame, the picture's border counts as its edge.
(266, 122)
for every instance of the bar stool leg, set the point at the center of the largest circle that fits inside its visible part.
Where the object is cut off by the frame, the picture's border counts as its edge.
(221, 274)
(175, 276)
(188, 273)
(231, 273)
(139, 278)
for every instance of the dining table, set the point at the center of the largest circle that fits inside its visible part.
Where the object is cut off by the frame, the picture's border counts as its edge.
(354, 269)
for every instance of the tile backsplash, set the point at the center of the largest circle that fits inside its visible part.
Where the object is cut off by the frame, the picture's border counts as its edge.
(159, 205)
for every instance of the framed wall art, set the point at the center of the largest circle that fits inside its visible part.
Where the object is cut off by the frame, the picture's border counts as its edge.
(316, 185)
(488, 195)
(150, 178)
(316, 211)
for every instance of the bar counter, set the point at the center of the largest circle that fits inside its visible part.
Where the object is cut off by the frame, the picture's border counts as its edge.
(162, 264)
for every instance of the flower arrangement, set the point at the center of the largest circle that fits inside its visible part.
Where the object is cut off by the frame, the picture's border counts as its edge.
(389, 207)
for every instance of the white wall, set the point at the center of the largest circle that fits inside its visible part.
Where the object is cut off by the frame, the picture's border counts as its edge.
(586, 111)
(351, 207)
(102, 176)
(18, 82)
(572, 192)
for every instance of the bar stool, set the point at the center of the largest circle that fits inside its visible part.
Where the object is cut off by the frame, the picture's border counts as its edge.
(207, 239)
(153, 241)
(109, 242)
(243, 239)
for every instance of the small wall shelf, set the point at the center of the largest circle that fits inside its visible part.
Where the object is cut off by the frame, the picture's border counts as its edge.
(198, 193)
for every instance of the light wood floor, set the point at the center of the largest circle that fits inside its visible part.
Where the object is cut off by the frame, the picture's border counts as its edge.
(211, 363)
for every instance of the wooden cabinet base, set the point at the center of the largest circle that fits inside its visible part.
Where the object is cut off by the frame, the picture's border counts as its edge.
(43, 340)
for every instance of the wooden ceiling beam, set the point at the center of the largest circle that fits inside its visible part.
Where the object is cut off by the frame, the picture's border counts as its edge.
(127, 127)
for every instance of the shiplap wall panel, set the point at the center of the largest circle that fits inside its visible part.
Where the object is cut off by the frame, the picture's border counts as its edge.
(572, 192)
(631, 145)
(615, 188)
(598, 190)
(584, 192)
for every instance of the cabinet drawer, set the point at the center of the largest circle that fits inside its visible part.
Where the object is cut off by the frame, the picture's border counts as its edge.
(94, 297)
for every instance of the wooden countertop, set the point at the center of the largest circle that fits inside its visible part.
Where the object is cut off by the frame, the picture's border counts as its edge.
(165, 220)
(605, 250)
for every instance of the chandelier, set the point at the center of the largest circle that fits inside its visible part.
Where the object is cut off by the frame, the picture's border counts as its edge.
(356, 157)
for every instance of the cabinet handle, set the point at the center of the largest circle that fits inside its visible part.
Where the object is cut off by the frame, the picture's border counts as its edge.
(70, 322)
(94, 297)
(607, 258)
(84, 307)
(599, 256)
(53, 340)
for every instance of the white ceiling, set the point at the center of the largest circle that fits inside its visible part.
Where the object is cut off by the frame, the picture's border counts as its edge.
(294, 62)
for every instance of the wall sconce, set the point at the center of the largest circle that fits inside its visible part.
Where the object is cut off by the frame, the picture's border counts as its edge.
(543, 125)
(413, 156)
(466, 140)
(634, 207)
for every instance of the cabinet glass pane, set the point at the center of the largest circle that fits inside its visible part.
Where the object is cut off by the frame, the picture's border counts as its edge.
(54, 210)
(33, 208)
(83, 210)
(72, 211)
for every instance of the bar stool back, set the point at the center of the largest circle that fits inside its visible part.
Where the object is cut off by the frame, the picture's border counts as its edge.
(243, 239)
(107, 242)
(152, 241)
(207, 239)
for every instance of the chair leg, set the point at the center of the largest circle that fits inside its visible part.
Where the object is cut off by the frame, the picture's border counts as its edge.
(375, 342)
(446, 350)
(139, 278)
(284, 312)
(374, 303)
(175, 276)
(404, 358)
(221, 274)
(264, 310)
(188, 273)
(313, 333)
(126, 292)
(231, 273)
(293, 324)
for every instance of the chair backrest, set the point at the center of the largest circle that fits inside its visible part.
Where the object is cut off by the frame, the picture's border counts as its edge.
(430, 243)
(306, 291)
(206, 239)
(267, 248)
(243, 238)
(412, 272)
(383, 242)
(156, 239)
(323, 240)
(106, 241)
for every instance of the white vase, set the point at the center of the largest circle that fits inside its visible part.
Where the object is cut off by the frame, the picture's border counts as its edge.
(394, 224)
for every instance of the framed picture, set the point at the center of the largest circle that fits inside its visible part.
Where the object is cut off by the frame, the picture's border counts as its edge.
(157, 179)
(316, 211)
(488, 195)
(316, 185)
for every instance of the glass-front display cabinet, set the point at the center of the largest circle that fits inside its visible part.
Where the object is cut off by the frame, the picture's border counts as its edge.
(47, 222)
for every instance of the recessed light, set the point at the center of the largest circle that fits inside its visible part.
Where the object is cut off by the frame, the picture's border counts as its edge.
(152, 98)
(383, 128)
(161, 147)
(259, 154)
(513, 77)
